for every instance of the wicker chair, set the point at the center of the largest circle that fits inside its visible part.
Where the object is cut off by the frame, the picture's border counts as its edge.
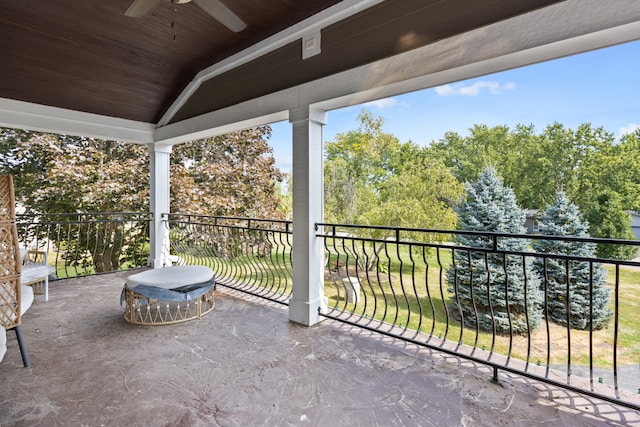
(15, 299)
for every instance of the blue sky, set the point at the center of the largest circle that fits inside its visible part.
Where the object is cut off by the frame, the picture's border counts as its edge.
(600, 87)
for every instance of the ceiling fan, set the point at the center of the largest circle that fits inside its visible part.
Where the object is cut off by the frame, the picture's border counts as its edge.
(215, 8)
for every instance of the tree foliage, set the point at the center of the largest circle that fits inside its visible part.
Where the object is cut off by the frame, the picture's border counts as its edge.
(284, 193)
(493, 291)
(587, 163)
(372, 178)
(64, 174)
(60, 174)
(579, 286)
(232, 174)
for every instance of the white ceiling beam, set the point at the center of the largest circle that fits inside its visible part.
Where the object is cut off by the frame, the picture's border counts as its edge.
(42, 118)
(218, 123)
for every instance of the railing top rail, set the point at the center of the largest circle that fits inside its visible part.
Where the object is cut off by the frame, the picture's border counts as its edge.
(82, 218)
(238, 227)
(83, 214)
(488, 250)
(171, 216)
(477, 233)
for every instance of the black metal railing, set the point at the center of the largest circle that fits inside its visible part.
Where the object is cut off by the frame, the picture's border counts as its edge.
(250, 255)
(82, 244)
(497, 299)
(498, 302)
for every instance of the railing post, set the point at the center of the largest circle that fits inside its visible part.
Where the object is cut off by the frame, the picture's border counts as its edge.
(159, 157)
(307, 300)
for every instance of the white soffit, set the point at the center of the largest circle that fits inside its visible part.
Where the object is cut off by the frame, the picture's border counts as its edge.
(42, 118)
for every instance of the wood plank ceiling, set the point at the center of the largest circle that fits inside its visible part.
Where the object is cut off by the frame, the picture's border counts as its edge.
(87, 56)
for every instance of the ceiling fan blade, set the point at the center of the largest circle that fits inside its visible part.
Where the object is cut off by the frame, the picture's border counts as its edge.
(222, 14)
(140, 8)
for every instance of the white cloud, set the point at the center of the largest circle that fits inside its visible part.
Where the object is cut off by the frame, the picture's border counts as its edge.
(445, 90)
(284, 163)
(383, 103)
(630, 128)
(475, 88)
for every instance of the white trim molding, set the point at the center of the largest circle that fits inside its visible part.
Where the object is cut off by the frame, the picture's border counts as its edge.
(35, 117)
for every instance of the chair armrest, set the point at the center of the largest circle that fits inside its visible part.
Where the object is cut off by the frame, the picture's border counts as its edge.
(35, 267)
(34, 273)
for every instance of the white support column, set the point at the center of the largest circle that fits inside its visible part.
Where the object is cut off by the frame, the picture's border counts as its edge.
(159, 157)
(308, 208)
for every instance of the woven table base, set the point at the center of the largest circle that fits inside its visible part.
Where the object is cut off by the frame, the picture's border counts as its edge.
(141, 310)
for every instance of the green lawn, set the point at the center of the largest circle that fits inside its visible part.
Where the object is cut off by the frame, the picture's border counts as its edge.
(392, 298)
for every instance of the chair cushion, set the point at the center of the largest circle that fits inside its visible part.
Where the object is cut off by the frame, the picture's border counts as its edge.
(26, 298)
(3, 342)
(23, 254)
(35, 272)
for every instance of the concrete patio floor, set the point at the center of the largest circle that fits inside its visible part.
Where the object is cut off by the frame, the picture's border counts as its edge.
(245, 364)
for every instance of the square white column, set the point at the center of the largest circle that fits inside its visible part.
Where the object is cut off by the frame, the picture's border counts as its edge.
(307, 298)
(159, 169)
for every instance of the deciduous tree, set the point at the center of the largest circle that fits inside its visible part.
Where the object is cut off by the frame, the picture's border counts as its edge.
(65, 174)
(232, 174)
(373, 178)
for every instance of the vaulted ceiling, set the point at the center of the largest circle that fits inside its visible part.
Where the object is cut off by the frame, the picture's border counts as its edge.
(178, 63)
(88, 56)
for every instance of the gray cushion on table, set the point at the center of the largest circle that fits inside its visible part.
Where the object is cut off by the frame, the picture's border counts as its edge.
(190, 292)
(178, 283)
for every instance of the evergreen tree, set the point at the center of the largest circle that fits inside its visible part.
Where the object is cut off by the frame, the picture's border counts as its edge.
(586, 297)
(497, 291)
